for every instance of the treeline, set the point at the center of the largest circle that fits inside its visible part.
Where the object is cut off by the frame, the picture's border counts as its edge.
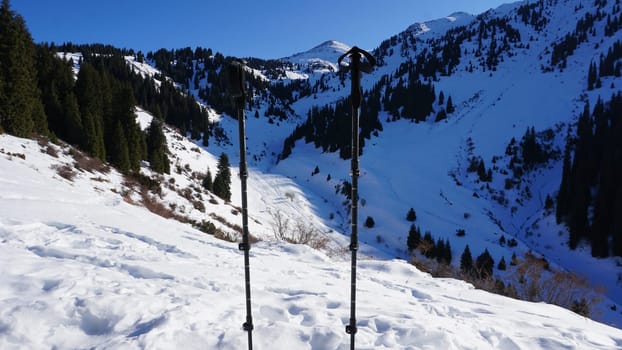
(609, 65)
(441, 56)
(584, 28)
(330, 127)
(589, 200)
(95, 112)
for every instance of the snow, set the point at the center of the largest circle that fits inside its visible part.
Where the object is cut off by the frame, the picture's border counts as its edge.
(322, 58)
(75, 58)
(82, 268)
(441, 25)
(423, 165)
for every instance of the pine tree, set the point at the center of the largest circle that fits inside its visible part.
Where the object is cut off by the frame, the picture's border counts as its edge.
(592, 76)
(484, 264)
(502, 265)
(564, 193)
(20, 104)
(582, 169)
(118, 151)
(222, 181)
(447, 255)
(73, 130)
(439, 250)
(414, 238)
(466, 261)
(156, 148)
(450, 106)
(88, 91)
(123, 105)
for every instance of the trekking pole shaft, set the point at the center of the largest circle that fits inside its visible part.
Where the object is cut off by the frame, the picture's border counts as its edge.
(248, 325)
(355, 97)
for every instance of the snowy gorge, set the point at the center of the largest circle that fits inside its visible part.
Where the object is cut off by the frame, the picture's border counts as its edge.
(85, 265)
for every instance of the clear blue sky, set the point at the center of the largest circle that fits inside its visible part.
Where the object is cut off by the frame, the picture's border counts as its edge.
(259, 28)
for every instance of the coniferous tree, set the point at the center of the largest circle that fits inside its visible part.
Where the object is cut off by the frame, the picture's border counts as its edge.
(439, 250)
(447, 255)
(118, 150)
(414, 238)
(466, 261)
(564, 193)
(21, 111)
(156, 147)
(591, 76)
(222, 181)
(89, 90)
(73, 131)
(484, 264)
(580, 176)
(123, 105)
(502, 265)
(450, 106)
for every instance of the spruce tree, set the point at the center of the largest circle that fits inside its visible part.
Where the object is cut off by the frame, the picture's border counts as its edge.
(447, 255)
(502, 265)
(414, 238)
(90, 95)
(73, 130)
(222, 181)
(564, 192)
(439, 250)
(450, 106)
(466, 261)
(156, 148)
(123, 105)
(118, 151)
(484, 264)
(20, 104)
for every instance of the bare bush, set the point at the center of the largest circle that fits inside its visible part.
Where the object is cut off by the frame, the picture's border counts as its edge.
(297, 233)
(536, 281)
(65, 171)
(87, 163)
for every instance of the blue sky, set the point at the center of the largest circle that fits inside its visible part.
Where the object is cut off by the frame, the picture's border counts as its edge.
(259, 28)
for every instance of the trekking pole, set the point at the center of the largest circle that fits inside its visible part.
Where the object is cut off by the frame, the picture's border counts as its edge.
(236, 91)
(356, 67)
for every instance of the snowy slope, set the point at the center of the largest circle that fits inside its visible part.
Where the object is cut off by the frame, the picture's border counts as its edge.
(424, 165)
(82, 268)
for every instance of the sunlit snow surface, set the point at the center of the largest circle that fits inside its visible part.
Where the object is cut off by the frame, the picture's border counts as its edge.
(80, 268)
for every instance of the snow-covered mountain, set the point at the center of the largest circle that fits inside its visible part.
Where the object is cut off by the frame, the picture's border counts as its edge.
(322, 58)
(83, 266)
(506, 77)
(88, 269)
(441, 25)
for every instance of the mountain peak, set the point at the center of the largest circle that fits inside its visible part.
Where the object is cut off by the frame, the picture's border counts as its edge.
(321, 57)
(442, 24)
(329, 50)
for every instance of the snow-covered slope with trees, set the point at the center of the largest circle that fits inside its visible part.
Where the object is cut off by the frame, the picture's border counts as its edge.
(83, 268)
(449, 119)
